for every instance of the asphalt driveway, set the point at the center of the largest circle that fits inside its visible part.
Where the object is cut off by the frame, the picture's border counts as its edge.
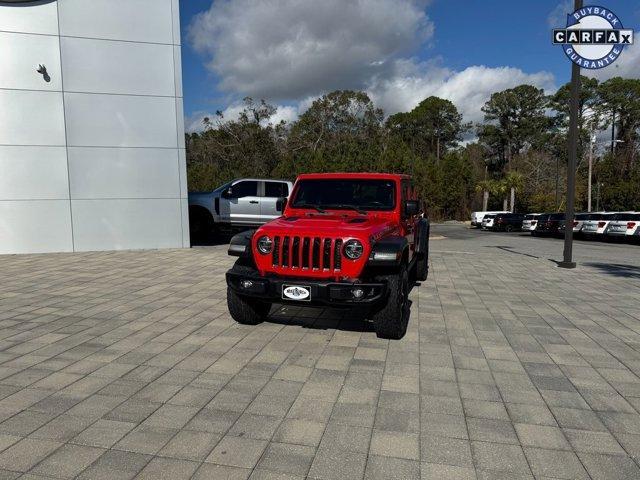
(127, 364)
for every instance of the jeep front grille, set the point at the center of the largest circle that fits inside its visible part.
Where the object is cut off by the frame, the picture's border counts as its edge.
(305, 253)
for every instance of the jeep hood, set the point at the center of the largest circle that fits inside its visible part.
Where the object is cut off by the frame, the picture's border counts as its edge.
(330, 225)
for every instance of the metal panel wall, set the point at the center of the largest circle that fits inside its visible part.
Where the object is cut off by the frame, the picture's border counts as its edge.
(92, 157)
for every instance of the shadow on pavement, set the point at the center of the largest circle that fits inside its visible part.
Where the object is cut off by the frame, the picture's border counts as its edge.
(616, 269)
(355, 323)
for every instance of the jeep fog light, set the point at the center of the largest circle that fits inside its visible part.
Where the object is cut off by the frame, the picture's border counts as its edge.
(246, 284)
(357, 293)
(353, 249)
(265, 245)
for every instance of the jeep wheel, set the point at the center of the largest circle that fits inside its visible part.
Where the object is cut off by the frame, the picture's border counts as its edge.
(392, 319)
(246, 310)
(421, 267)
(508, 228)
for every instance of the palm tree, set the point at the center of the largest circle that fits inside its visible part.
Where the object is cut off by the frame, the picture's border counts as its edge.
(485, 186)
(514, 182)
(500, 190)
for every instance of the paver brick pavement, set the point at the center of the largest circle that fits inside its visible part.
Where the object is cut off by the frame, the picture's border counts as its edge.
(127, 364)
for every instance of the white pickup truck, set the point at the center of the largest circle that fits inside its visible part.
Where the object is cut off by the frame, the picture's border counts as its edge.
(476, 217)
(243, 202)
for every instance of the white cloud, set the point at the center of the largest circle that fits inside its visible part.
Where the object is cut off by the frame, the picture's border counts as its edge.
(194, 123)
(284, 113)
(468, 89)
(627, 65)
(291, 49)
(558, 16)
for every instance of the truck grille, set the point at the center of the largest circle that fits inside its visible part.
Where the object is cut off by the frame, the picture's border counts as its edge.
(307, 253)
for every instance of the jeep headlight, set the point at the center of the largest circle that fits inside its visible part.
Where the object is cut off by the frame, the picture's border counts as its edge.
(353, 249)
(265, 245)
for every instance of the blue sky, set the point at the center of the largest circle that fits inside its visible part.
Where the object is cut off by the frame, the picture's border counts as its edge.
(402, 50)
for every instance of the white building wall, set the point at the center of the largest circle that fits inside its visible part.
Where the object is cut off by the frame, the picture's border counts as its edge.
(94, 159)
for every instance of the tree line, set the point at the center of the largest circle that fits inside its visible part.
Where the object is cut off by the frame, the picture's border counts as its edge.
(515, 159)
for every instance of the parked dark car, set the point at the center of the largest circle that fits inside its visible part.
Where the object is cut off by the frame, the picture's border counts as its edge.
(548, 224)
(507, 222)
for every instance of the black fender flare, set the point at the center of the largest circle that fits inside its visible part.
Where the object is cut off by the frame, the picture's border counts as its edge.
(388, 251)
(240, 244)
(422, 235)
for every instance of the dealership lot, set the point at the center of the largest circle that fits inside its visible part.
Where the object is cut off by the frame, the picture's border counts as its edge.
(124, 364)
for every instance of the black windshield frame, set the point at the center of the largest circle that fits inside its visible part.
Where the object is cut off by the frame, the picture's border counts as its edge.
(325, 188)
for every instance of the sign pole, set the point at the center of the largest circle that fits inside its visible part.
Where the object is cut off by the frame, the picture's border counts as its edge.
(567, 261)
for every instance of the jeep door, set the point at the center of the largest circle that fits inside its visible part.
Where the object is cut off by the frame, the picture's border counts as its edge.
(272, 191)
(240, 203)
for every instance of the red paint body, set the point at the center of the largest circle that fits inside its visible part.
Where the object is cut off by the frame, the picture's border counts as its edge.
(333, 226)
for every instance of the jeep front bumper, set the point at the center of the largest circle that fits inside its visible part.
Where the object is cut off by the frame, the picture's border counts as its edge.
(323, 293)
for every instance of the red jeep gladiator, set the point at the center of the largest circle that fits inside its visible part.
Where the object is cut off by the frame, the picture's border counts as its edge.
(343, 240)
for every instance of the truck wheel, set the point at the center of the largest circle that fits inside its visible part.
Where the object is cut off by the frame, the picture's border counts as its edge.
(392, 319)
(245, 310)
(200, 225)
(508, 228)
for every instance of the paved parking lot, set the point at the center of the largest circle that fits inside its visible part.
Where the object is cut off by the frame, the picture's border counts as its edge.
(117, 365)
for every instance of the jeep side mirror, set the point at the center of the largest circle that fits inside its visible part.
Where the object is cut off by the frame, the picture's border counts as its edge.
(411, 208)
(227, 193)
(280, 204)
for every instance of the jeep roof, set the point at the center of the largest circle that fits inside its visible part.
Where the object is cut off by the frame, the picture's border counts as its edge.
(364, 176)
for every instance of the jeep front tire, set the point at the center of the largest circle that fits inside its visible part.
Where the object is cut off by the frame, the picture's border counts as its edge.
(391, 320)
(246, 310)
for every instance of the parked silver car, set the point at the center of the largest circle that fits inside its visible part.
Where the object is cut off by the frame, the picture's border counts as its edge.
(596, 227)
(529, 222)
(243, 202)
(487, 221)
(623, 225)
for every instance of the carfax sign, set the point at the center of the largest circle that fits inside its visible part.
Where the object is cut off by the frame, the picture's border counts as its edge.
(593, 38)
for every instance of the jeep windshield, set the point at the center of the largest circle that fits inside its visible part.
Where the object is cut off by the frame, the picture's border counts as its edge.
(345, 194)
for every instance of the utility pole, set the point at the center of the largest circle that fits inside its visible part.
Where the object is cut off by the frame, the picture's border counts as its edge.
(613, 132)
(567, 261)
(557, 179)
(591, 142)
